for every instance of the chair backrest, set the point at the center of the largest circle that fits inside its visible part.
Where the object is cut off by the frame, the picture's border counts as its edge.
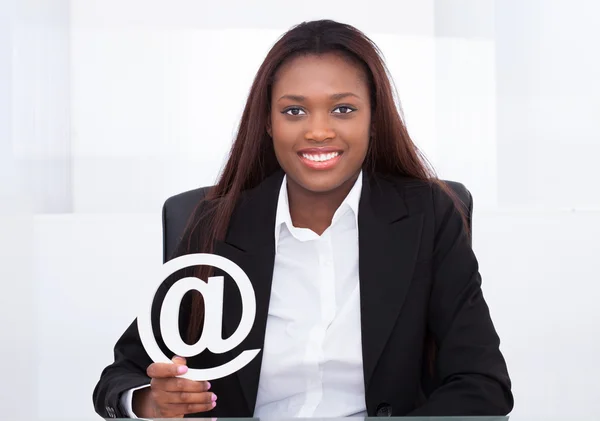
(175, 215)
(464, 195)
(178, 209)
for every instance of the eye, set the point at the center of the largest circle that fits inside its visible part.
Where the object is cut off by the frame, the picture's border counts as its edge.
(344, 109)
(295, 111)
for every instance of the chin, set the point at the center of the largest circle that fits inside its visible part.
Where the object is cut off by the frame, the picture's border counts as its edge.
(320, 188)
(320, 184)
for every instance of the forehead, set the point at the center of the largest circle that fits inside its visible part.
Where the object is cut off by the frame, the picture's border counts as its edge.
(320, 74)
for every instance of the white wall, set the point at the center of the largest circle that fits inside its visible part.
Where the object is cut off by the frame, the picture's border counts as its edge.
(112, 106)
(34, 179)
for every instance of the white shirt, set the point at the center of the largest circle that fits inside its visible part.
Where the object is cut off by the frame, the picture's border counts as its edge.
(312, 355)
(312, 358)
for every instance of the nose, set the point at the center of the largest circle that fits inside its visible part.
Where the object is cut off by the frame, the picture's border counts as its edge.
(320, 130)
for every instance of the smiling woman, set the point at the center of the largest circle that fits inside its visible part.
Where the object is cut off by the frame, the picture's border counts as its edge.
(359, 257)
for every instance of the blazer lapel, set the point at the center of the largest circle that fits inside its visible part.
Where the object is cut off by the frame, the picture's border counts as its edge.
(388, 245)
(250, 243)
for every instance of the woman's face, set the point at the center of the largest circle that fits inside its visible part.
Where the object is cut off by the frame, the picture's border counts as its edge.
(320, 121)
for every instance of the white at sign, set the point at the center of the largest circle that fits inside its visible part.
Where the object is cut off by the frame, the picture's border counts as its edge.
(212, 292)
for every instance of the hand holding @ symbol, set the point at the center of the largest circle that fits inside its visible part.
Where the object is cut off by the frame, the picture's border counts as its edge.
(170, 396)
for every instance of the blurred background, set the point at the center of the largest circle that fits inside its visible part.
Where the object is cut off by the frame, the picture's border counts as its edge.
(108, 107)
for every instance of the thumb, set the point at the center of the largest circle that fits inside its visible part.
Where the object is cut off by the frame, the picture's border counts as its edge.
(178, 360)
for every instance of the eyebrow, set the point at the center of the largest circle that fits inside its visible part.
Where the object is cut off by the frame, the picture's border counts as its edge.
(335, 97)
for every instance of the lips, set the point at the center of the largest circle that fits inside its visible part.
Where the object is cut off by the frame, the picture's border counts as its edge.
(320, 158)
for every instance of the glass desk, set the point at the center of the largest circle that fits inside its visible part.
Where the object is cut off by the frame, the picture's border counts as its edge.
(72, 417)
(517, 417)
(493, 418)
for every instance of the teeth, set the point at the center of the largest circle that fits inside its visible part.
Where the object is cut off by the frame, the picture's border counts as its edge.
(321, 157)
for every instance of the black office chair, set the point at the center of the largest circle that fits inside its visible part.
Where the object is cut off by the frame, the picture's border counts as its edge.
(178, 209)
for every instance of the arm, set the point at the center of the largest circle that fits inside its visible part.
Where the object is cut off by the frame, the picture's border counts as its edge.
(472, 373)
(128, 371)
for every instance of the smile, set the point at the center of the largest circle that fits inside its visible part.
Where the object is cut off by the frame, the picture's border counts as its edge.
(320, 160)
(323, 157)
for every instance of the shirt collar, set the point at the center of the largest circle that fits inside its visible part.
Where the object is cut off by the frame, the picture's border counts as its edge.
(283, 216)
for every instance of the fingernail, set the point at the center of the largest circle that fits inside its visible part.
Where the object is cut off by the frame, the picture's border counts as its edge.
(208, 383)
(181, 369)
(214, 404)
(214, 397)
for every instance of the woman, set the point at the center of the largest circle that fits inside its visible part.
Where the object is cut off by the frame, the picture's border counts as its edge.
(368, 292)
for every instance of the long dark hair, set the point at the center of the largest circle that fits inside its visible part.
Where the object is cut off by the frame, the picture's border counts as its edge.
(252, 157)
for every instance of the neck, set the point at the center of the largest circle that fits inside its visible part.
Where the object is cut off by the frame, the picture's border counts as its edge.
(315, 210)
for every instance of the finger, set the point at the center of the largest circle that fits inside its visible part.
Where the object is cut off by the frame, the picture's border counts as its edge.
(164, 370)
(176, 410)
(185, 397)
(164, 397)
(161, 397)
(179, 384)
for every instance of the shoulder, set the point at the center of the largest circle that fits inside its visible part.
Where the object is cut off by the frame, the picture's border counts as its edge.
(440, 191)
(441, 199)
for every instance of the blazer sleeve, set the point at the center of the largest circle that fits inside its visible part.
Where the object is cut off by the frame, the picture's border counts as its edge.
(128, 371)
(472, 373)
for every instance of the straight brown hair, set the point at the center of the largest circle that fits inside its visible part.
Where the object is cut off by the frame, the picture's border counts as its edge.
(252, 158)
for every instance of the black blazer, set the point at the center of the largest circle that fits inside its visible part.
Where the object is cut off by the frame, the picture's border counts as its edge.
(419, 285)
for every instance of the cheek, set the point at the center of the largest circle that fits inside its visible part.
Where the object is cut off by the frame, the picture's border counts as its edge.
(284, 134)
(281, 138)
(357, 136)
